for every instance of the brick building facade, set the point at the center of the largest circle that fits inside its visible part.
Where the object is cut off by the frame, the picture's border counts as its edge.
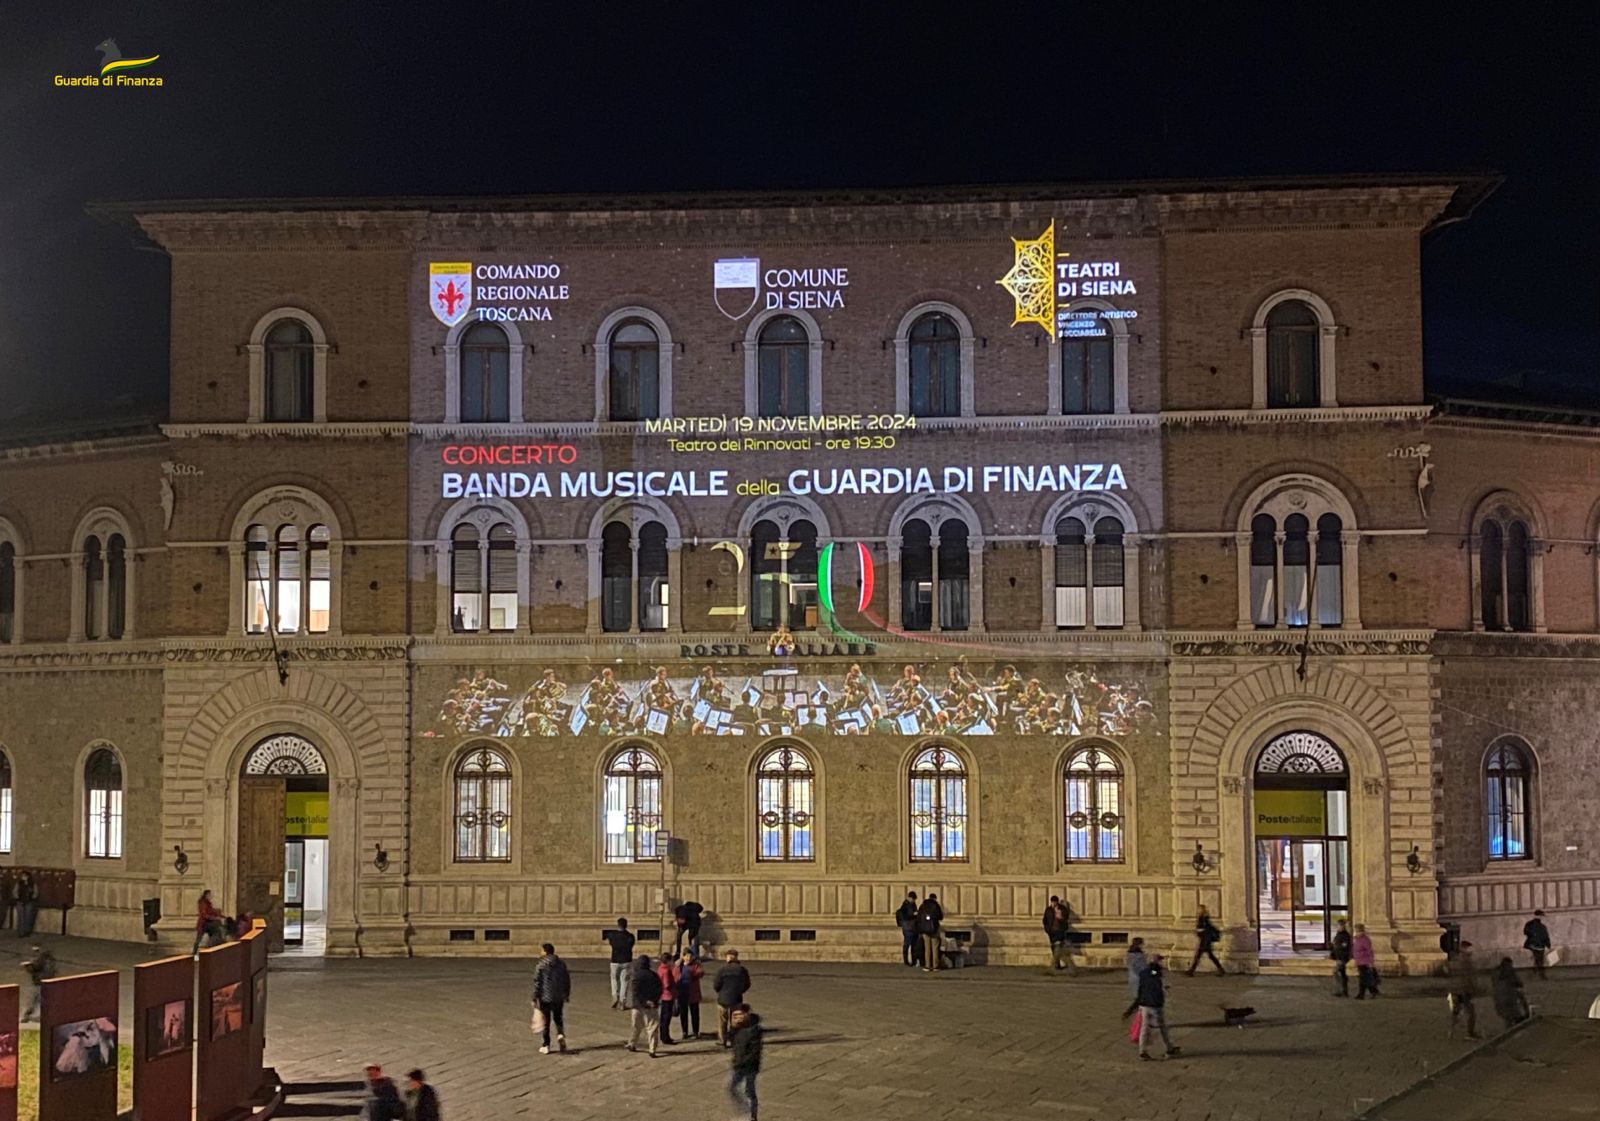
(1200, 602)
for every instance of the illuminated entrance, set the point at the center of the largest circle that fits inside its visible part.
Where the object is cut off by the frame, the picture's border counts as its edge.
(283, 841)
(1301, 819)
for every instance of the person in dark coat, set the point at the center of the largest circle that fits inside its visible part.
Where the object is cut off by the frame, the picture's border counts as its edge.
(644, 1005)
(1340, 953)
(686, 917)
(1137, 961)
(621, 941)
(1061, 948)
(1536, 940)
(730, 984)
(422, 1101)
(25, 893)
(1509, 1002)
(906, 919)
(1052, 930)
(1153, 1007)
(40, 967)
(747, 1040)
(929, 918)
(552, 986)
(1463, 990)
(1206, 935)
(383, 1100)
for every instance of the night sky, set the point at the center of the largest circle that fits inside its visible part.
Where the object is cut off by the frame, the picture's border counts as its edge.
(461, 98)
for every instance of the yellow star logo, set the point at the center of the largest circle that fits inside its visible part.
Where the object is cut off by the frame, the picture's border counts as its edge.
(1031, 280)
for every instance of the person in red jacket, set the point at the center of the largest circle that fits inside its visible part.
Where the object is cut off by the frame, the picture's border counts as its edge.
(208, 923)
(667, 973)
(686, 995)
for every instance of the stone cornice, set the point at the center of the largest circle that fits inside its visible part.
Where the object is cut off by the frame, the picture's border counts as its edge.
(92, 446)
(365, 430)
(155, 653)
(1343, 414)
(249, 230)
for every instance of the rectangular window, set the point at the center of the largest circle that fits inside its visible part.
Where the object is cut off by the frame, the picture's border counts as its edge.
(257, 589)
(5, 819)
(953, 598)
(770, 818)
(288, 588)
(105, 823)
(1263, 602)
(1330, 593)
(502, 587)
(1295, 587)
(923, 843)
(319, 588)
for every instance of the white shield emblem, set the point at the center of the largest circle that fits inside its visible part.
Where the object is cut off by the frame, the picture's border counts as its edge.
(736, 280)
(450, 291)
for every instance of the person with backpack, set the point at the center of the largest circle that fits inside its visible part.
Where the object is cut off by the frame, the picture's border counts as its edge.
(730, 984)
(930, 916)
(1206, 935)
(40, 967)
(1340, 953)
(906, 919)
(747, 1045)
(552, 986)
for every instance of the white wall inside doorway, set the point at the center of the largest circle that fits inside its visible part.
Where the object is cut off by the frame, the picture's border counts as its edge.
(316, 882)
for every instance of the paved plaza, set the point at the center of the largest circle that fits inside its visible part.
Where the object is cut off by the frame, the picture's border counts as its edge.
(884, 1042)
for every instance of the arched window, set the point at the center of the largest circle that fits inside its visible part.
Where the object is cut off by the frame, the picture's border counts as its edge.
(1506, 774)
(783, 575)
(102, 784)
(1296, 569)
(938, 778)
(5, 802)
(632, 805)
(616, 577)
(1329, 594)
(8, 591)
(784, 369)
(466, 580)
(286, 579)
(916, 576)
(1293, 349)
(257, 577)
(935, 366)
(634, 381)
(954, 576)
(319, 580)
(485, 375)
(1107, 573)
(1093, 806)
(785, 806)
(483, 807)
(94, 584)
(1506, 558)
(1264, 571)
(290, 372)
(116, 585)
(654, 594)
(1087, 374)
(1072, 574)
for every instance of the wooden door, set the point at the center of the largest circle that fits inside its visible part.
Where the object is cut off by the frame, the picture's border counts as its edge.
(261, 813)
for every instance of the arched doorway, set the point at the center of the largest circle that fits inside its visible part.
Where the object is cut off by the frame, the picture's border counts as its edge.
(283, 841)
(1301, 822)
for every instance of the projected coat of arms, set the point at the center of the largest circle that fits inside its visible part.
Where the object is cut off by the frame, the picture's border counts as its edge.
(450, 291)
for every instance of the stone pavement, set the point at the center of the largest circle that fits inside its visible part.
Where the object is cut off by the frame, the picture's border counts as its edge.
(866, 1041)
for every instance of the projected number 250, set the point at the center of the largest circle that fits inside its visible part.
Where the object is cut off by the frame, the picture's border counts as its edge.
(780, 553)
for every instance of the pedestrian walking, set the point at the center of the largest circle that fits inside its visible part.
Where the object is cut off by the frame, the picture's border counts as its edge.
(906, 919)
(667, 974)
(644, 1005)
(730, 984)
(747, 1042)
(40, 967)
(1510, 1002)
(552, 987)
(1536, 940)
(686, 995)
(1340, 953)
(1153, 1007)
(930, 916)
(1051, 930)
(25, 893)
(208, 923)
(1136, 962)
(1366, 963)
(621, 941)
(1061, 947)
(1463, 988)
(383, 1100)
(1206, 935)
(422, 1101)
(686, 917)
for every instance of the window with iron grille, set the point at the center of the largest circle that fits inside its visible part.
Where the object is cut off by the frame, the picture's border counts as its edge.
(102, 782)
(632, 811)
(785, 806)
(483, 807)
(1093, 806)
(938, 778)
